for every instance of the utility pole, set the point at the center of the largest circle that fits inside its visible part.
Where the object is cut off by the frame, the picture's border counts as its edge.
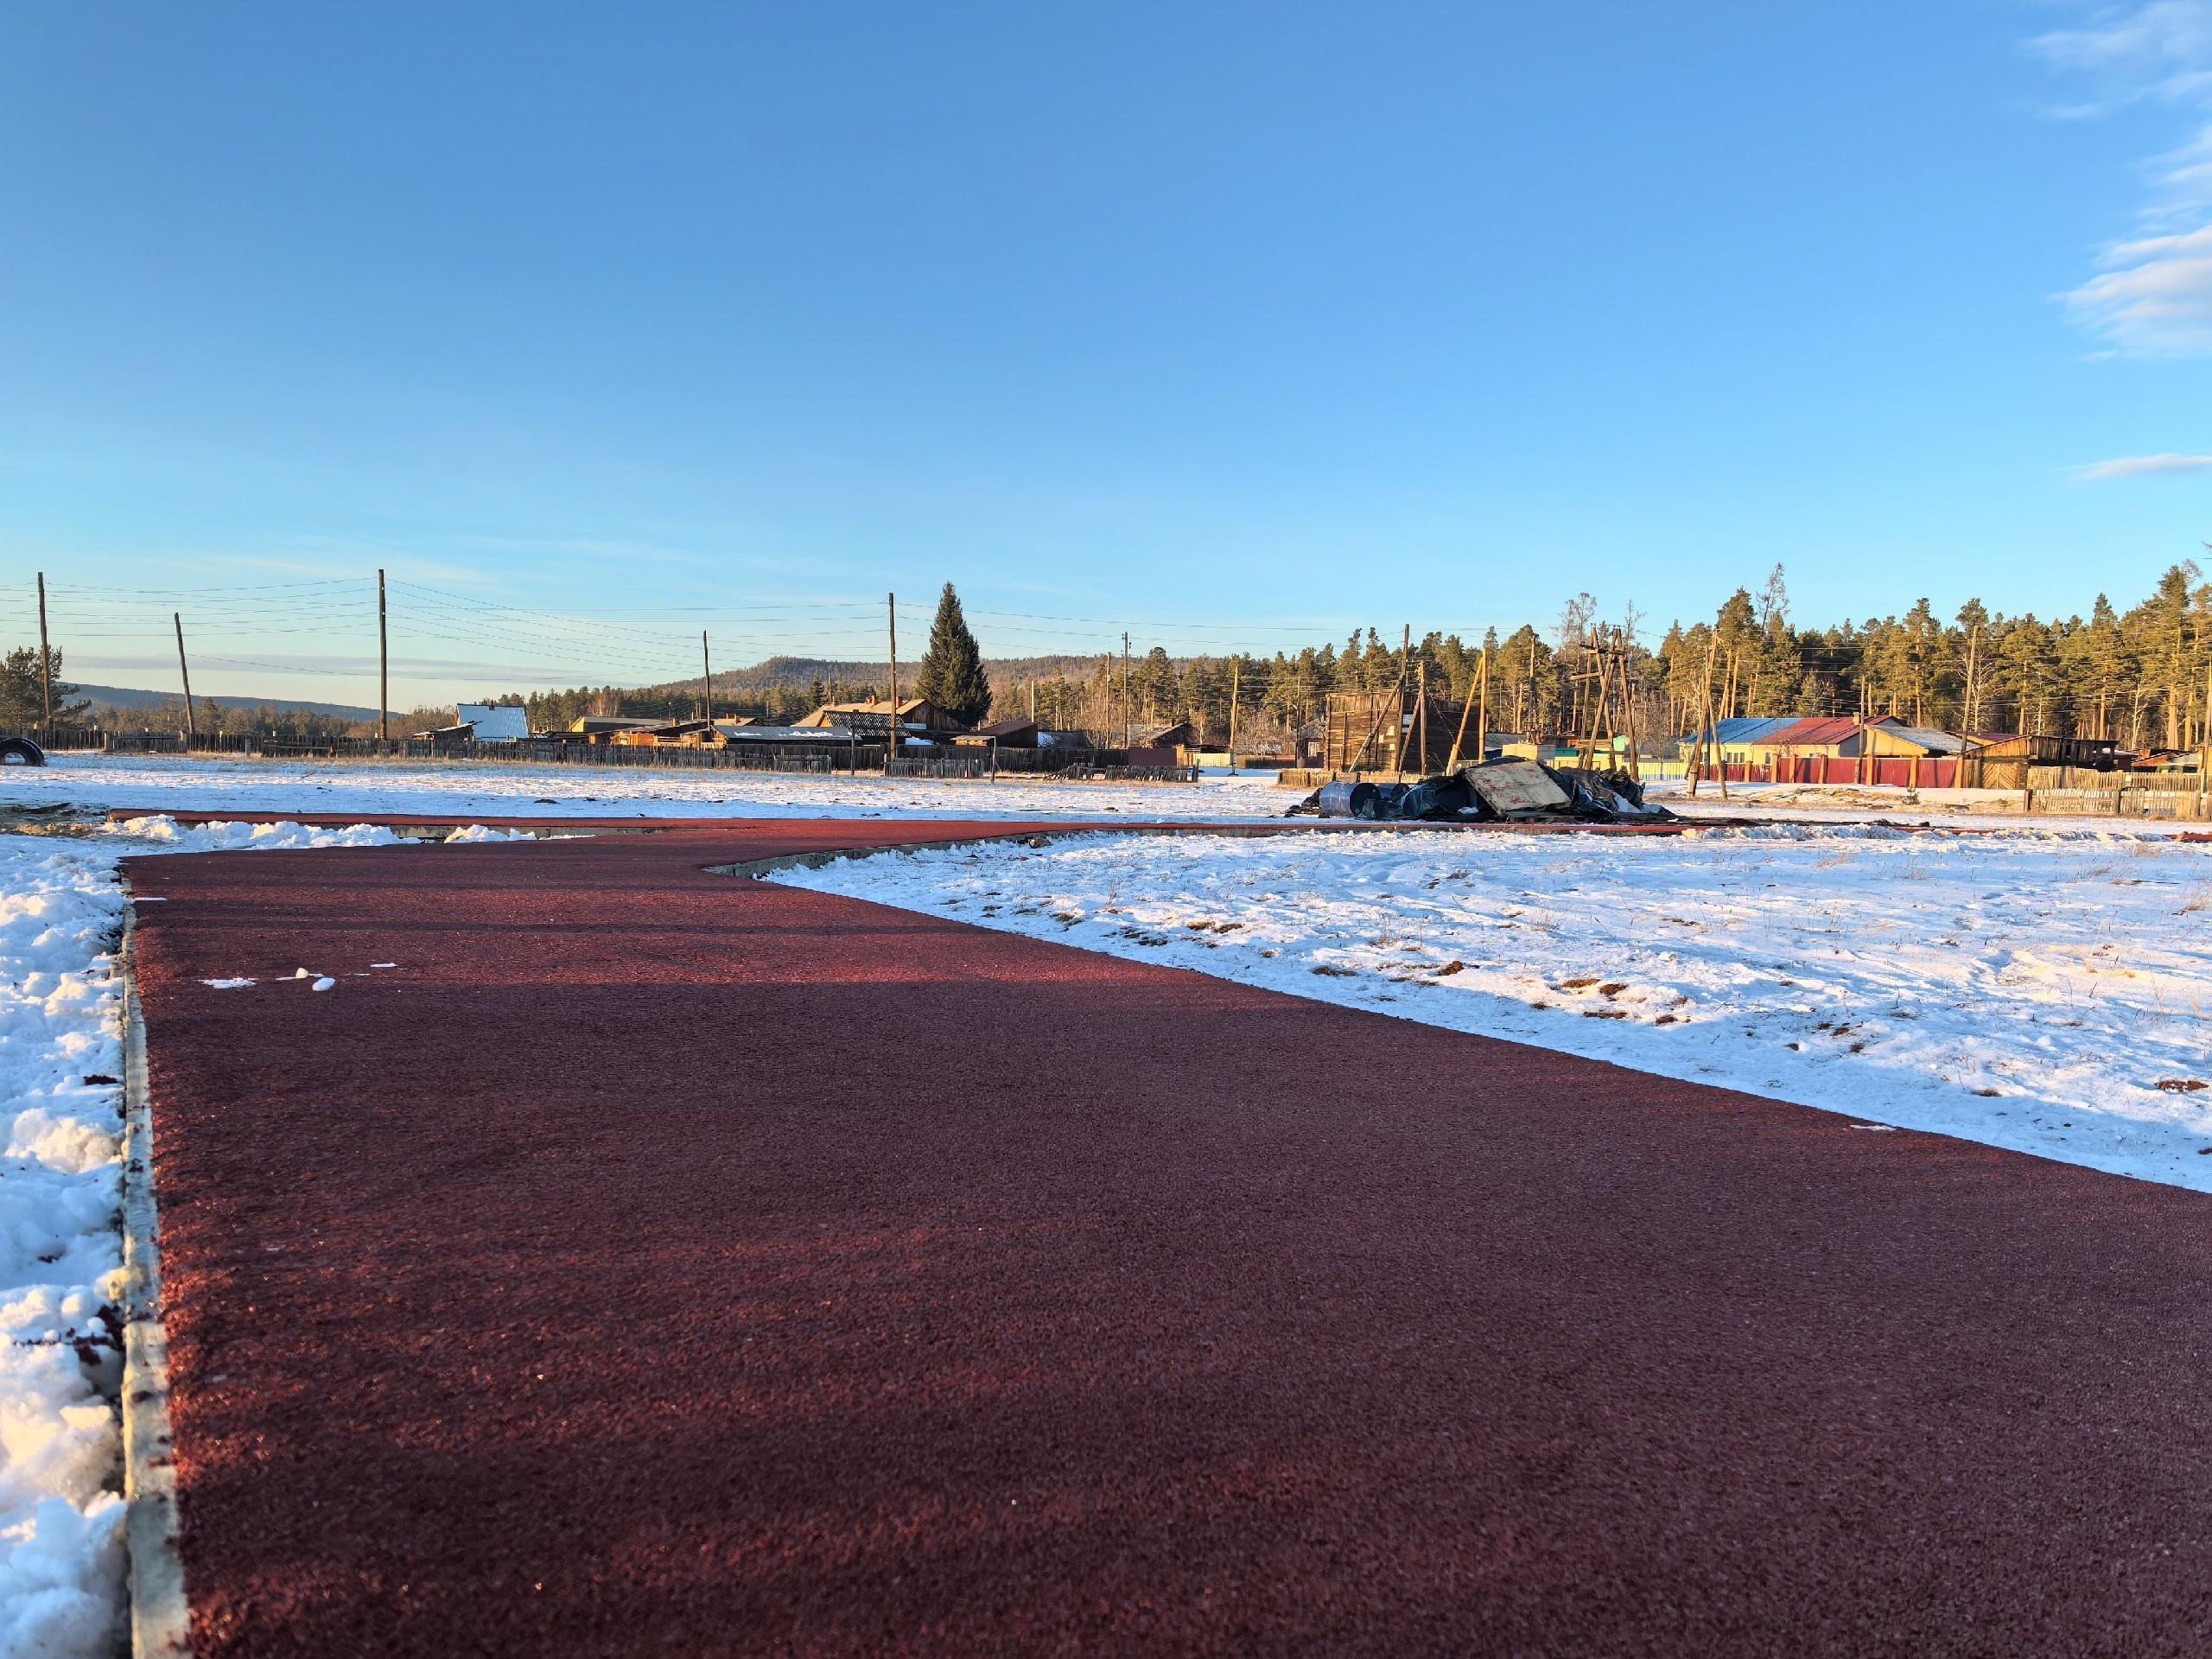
(191, 725)
(1129, 713)
(1723, 753)
(1234, 666)
(1591, 704)
(1973, 643)
(1420, 715)
(2204, 755)
(45, 661)
(1628, 716)
(706, 680)
(1482, 715)
(383, 669)
(890, 607)
(1398, 700)
(1705, 721)
(1466, 710)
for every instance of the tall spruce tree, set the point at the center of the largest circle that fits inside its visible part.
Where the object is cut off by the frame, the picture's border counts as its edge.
(952, 675)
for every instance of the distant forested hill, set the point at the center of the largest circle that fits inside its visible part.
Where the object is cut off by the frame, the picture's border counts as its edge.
(129, 697)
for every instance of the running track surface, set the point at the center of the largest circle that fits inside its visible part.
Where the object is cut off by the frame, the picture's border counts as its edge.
(660, 1262)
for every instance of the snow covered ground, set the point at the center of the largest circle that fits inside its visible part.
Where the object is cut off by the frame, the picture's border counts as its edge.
(491, 789)
(61, 1247)
(2041, 989)
(1860, 802)
(495, 789)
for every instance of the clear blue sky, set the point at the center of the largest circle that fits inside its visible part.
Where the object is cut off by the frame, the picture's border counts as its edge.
(1253, 317)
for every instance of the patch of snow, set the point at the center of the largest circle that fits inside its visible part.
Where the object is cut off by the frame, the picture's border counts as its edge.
(456, 791)
(1861, 803)
(172, 836)
(61, 1553)
(2038, 988)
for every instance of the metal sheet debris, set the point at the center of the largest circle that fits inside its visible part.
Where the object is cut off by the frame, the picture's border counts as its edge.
(1511, 787)
(1524, 792)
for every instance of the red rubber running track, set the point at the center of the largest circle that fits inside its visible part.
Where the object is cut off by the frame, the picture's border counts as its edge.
(657, 1263)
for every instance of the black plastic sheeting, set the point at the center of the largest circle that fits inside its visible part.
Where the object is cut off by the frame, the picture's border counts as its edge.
(1592, 796)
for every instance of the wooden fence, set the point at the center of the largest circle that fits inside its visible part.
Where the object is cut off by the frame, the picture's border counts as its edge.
(794, 756)
(823, 757)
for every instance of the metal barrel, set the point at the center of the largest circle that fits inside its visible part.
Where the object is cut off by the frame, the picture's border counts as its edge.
(1346, 799)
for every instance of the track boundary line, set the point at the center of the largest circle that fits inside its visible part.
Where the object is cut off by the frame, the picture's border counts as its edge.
(160, 1616)
(1041, 836)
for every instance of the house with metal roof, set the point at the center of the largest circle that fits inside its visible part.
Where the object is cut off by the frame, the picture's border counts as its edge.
(1761, 741)
(1886, 737)
(494, 722)
(1735, 740)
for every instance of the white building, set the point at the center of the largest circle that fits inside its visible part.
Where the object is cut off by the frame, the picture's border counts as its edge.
(494, 722)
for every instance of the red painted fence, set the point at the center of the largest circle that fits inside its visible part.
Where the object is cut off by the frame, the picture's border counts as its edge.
(1907, 771)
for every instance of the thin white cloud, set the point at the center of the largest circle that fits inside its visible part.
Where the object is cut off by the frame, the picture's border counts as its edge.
(2154, 296)
(2146, 465)
(2161, 49)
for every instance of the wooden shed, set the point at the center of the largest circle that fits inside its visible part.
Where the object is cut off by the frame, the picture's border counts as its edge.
(1006, 733)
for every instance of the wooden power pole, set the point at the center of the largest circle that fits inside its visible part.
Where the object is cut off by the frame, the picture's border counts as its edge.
(2204, 754)
(383, 668)
(1129, 713)
(891, 749)
(1398, 702)
(1466, 712)
(1421, 715)
(45, 661)
(1482, 714)
(184, 672)
(1973, 648)
(1705, 722)
(706, 680)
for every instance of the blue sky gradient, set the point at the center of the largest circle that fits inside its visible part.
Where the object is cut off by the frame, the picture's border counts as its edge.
(1260, 319)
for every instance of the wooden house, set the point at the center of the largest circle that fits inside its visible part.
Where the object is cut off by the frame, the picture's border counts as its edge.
(916, 715)
(1388, 731)
(601, 729)
(1006, 733)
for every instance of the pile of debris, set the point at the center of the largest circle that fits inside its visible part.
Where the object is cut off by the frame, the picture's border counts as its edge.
(1517, 791)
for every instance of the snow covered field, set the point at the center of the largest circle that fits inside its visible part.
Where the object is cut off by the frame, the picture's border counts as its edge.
(61, 1247)
(2041, 989)
(494, 789)
(1860, 802)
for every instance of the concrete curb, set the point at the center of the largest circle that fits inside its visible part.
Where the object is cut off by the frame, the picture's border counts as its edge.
(160, 1620)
